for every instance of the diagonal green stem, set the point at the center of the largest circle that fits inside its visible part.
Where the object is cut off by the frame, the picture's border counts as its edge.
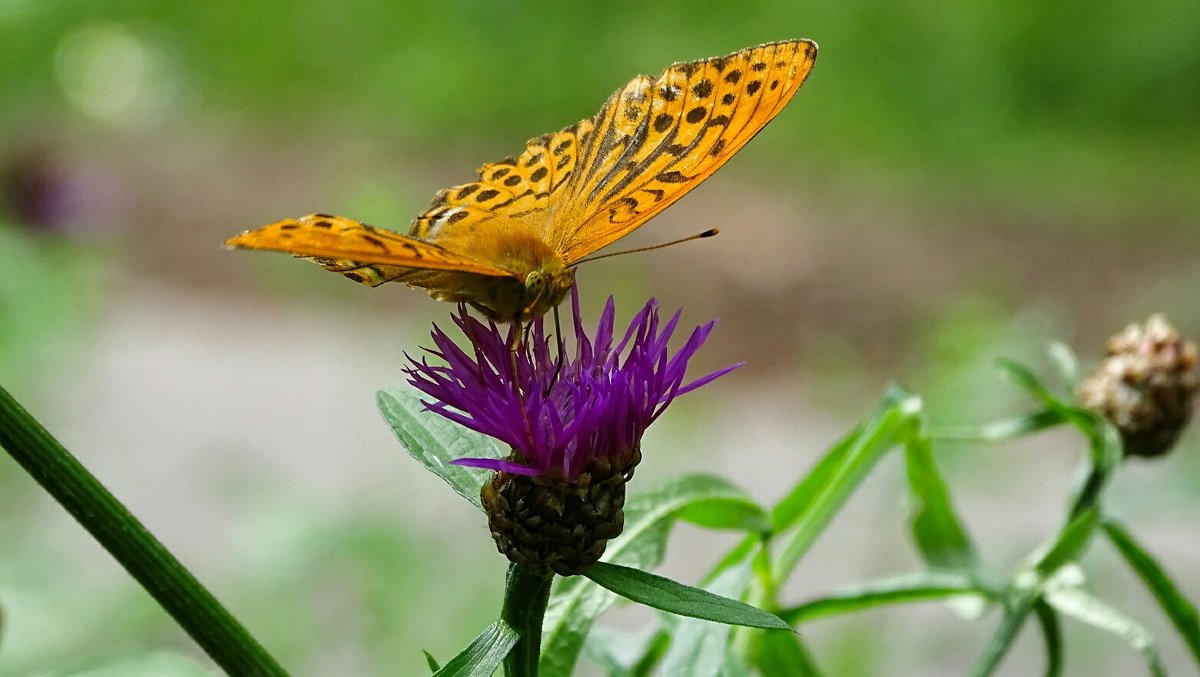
(110, 523)
(525, 597)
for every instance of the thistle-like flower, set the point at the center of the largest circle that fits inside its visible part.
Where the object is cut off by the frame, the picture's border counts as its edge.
(574, 423)
(1145, 386)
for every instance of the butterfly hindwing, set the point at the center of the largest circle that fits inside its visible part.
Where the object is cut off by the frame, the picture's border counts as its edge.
(363, 253)
(518, 189)
(655, 140)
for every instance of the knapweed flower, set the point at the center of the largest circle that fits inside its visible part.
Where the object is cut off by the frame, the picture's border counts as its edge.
(1145, 386)
(573, 419)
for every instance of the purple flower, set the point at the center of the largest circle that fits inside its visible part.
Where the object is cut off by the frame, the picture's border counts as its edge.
(558, 413)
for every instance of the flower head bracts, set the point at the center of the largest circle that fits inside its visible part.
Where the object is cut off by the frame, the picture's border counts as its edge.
(557, 417)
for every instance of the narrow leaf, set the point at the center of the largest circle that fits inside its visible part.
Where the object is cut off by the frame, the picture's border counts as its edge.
(431, 661)
(677, 598)
(699, 648)
(621, 653)
(654, 653)
(1016, 612)
(1024, 377)
(1051, 633)
(1064, 361)
(727, 513)
(936, 529)
(484, 655)
(1004, 429)
(1177, 607)
(808, 509)
(1078, 604)
(435, 441)
(783, 654)
(901, 589)
(1070, 543)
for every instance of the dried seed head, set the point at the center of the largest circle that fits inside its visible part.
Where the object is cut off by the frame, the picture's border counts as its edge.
(1145, 386)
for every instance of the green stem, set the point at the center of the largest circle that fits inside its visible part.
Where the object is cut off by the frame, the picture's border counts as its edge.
(525, 598)
(110, 523)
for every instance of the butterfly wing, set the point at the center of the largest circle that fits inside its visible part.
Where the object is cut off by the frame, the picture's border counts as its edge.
(362, 253)
(655, 140)
(520, 189)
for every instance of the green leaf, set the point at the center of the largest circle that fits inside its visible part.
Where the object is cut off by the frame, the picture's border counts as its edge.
(1016, 611)
(430, 661)
(1105, 452)
(484, 655)
(649, 515)
(700, 648)
(622, 654)
(1074, 602)
(1177, 607)
(435, 441)
(679, 599)
(1025, 378)
(1004, 429)
(783, 654)
(936, 530)
(653, 654)
(808, 509)
(1070, 543)
(1048, 621)
(727, 513)
(1064, 361)
(917, 587)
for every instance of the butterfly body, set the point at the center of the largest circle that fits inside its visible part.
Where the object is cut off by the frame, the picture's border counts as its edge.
(507, 243)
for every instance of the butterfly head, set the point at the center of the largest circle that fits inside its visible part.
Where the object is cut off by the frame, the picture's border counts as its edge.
(545, 288)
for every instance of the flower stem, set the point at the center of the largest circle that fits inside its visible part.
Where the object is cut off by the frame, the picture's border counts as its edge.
(525, 598)
(110, 523)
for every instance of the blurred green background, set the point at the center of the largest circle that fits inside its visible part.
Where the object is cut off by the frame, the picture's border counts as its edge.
(955, 182)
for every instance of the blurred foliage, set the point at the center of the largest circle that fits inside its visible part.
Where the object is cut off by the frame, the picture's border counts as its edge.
(42, 273)
(1082, 109)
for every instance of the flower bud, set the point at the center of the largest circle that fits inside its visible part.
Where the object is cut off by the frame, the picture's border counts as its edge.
(1145, 386)
(548, 523)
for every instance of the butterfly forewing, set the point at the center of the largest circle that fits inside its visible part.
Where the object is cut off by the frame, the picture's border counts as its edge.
(656, 140)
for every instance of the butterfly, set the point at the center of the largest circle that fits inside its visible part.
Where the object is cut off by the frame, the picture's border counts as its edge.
(508, 243)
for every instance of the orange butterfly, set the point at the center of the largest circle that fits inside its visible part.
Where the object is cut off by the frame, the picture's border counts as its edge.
(507, 243)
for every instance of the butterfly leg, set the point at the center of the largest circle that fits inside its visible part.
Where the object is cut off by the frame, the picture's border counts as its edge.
(558, 362)
(515, 333)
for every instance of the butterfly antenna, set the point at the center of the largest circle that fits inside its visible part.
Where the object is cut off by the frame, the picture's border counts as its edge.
(698, 236)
